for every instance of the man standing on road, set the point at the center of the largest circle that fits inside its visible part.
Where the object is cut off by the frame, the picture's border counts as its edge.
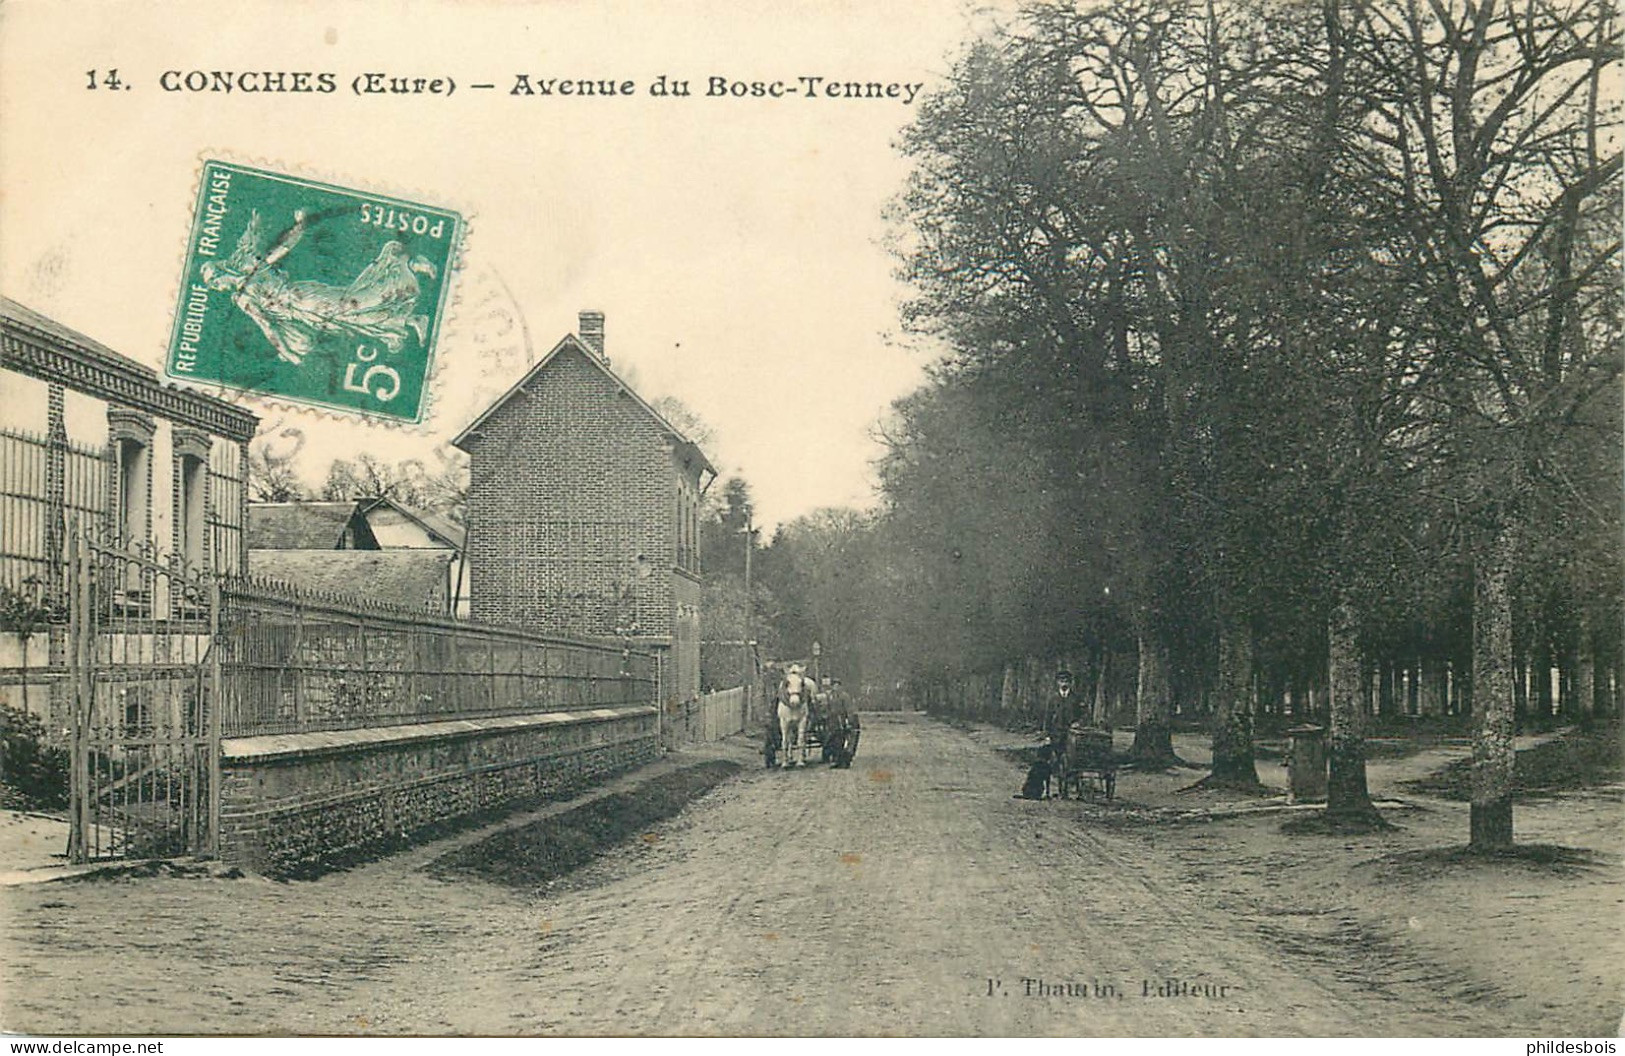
(1059, 715)
(843, 727)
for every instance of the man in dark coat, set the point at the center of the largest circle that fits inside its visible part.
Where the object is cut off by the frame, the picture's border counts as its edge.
(842, 726)
(1062, 711)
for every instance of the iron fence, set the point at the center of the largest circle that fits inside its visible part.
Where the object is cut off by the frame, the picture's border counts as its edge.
(224, 517)
(44, 486)
(164, 660)
(299, 661)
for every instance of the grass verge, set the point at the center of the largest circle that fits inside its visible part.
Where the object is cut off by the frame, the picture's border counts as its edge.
(1578, 759)
(544, 850)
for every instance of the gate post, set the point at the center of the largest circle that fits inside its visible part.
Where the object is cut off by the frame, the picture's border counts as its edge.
(80, 630)
(215, 717)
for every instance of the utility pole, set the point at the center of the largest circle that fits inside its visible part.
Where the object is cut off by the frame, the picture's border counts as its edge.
(747, 670)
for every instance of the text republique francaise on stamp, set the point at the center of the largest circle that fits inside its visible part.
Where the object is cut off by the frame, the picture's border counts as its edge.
(313, 293)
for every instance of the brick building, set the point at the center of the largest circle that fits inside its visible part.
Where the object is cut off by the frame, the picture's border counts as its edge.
(583, 510)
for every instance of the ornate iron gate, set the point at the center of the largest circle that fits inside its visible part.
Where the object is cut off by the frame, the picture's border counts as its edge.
(145, 677)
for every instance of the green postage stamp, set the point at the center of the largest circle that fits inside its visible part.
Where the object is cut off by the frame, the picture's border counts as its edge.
(313, 293)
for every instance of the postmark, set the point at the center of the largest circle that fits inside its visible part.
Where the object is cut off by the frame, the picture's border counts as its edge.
(313, 293)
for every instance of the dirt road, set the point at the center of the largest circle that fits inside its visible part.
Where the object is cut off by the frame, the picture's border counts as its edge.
(908, 895)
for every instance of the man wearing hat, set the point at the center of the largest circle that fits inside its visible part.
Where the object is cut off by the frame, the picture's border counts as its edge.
(842, 726)
(1062, 711)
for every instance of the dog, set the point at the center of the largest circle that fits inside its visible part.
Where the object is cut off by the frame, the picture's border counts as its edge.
(1039, 775)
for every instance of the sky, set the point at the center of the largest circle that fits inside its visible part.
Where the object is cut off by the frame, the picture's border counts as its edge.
(735, 246)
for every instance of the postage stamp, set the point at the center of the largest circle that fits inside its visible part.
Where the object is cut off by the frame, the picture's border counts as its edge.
(313, 293)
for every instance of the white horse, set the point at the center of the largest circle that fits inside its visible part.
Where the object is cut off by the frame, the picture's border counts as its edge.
(794, 696)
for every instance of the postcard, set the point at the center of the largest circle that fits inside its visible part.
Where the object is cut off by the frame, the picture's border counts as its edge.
(585, 518)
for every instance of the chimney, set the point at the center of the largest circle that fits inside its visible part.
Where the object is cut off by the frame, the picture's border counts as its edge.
(591, 330)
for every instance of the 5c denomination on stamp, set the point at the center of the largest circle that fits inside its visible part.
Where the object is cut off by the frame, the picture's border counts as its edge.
(313, 293)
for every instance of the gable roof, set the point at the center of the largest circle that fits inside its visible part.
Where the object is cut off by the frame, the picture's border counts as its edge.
(322, 525)
(574, 343)
(297, 525)
(442, 526)
(435, 525)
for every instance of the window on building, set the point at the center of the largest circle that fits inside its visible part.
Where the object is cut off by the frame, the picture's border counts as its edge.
(682, 533)
(694, 535)
(190, 521)
(688, 532)
(130, 433)
(130, 436)
(133, 471)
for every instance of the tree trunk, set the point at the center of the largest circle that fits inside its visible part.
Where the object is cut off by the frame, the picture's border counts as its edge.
(1100, 715)
(1431, 674)
(1491, 826)
(1153, 739)
(1585, 668)
(1520, 692)
(1542, 663)
(1233, 761)
(1347, 797)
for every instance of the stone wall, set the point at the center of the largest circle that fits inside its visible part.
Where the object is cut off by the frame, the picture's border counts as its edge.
(299, 803)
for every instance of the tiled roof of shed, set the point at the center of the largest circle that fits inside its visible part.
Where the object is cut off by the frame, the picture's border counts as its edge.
(297, 525)
(412, 579)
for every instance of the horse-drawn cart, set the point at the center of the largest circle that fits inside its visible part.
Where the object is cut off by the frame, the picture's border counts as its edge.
(1088, 758)
(834, 740)
(815, 735)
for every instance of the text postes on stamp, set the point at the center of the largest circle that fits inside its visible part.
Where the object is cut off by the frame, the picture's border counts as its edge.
(313, 293)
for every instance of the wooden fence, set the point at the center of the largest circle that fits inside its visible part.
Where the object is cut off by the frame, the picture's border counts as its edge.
(712, 717)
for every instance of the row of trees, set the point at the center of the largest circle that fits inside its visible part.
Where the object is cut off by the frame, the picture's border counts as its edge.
(1282, 337)
(441, 486)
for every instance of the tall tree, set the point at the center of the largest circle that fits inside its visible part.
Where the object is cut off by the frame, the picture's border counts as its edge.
(1490, 133)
